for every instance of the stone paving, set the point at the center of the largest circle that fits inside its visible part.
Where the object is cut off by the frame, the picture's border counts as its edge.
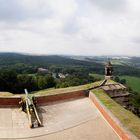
(72, 120)
(12, 118)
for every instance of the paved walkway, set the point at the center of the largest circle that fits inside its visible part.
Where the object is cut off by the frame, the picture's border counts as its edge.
(70, 120)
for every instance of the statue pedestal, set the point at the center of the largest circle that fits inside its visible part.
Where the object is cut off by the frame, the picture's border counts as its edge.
(108, 77)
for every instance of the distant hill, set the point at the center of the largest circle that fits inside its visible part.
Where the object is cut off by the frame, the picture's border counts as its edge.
(122, 65)
(116, 60)
(51, 61)
(13, 58)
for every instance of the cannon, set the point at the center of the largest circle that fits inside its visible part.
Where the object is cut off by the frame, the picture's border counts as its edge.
(28, 106)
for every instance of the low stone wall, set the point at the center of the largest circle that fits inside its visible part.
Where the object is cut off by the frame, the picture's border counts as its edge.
(40, 100)
(121, 97)
(109, 119)
(10, 101)
(123, 101)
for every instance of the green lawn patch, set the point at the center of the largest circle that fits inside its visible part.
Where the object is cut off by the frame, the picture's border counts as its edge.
(6, 94)
(133, 82)
(97, 76)
(127, 118)
(65, 90)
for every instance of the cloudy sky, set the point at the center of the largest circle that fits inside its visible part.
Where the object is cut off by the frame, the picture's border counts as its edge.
(78, 27)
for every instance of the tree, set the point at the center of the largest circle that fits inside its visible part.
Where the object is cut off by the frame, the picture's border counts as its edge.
(42, 83)
(135, 103)
(50, 81)
(26, 81)
(8, 80)
(123, 81)
(117, 79)
(46, 82)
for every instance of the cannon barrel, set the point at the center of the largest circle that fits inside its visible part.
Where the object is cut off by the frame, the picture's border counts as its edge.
(29, 101)
(31, 111)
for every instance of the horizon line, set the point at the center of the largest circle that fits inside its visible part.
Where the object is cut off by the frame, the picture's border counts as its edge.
(39, 54)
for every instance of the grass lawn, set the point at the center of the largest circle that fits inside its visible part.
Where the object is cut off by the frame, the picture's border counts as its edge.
(6, 94)
(133, 82)
(65, 90)
(98, 76)
(69, 89)
(127, 118)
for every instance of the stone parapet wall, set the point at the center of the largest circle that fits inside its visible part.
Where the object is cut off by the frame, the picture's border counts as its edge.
(40, 100)
(10, 101)
(44, 99)
(120, 96)
(118, 92)
(123, 135)
(124, 101)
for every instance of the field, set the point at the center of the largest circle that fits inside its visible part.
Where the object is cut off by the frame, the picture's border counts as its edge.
(133, 82)
(97, 76)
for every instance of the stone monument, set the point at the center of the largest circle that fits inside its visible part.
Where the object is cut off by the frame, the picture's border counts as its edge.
(108, 71)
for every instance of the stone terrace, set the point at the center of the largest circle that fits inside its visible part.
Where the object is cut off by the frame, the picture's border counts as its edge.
(71, 119)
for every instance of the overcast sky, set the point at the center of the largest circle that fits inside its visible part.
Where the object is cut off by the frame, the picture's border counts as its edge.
(77, 27)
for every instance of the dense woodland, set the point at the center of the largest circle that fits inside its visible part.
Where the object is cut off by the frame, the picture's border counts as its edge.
(20, 71)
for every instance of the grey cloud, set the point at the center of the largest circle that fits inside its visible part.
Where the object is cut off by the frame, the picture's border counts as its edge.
(71, 26)
(95, 40)
(109, 5)
(135, 40)
(90, 26)
(11, 10)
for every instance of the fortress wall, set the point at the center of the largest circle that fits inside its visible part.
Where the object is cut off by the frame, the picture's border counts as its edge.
(40, 100)
(120, 96)
(108, 117)
(10, 101)
(124, 101)
(115, 93)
